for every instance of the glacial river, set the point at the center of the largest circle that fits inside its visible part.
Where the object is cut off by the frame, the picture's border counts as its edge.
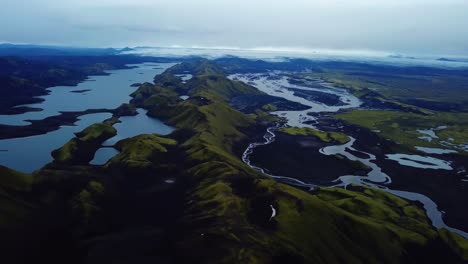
(278, 85)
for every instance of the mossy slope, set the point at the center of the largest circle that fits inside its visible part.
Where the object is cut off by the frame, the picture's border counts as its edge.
(402, 127)
(81, 149)
(219, 209)
(139, 151)
(227, 219)
(327, 137)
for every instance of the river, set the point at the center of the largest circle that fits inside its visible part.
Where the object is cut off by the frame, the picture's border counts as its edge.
(278, 85)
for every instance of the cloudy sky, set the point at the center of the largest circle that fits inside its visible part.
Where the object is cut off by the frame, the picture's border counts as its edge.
(405, 26)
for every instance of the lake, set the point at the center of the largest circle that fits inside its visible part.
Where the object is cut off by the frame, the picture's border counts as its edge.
(107, 91)
(110, 91)
(130, 126)
(31, 153)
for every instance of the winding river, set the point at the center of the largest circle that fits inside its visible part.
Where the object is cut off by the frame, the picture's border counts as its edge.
(278, 85)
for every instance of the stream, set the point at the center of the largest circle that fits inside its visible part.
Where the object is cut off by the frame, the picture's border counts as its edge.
(278, 85)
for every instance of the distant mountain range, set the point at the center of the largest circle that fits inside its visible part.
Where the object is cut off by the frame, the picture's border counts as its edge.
(453, 59)
(7, 49)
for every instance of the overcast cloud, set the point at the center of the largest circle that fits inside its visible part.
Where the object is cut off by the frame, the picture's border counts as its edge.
(405, 26)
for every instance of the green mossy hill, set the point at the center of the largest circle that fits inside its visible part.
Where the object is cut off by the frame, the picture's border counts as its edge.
(323, 136)
(233, 212)
(85, 204)
(167, 80)
(96, 132)
(228, 214)
(217, 209)
(140, 151)
(216, 127)
(218, 87)
(213, 119)
(149, 95)
(269, 107)
(196, 67)
(222, 126)
(170, 81)
(458, 243)
(125, 110)
(217, 124)
(81, 149)
(263, 117)
(208, 81)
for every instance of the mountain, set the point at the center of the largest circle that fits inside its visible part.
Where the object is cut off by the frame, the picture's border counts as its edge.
(215, 208)
(7, 49)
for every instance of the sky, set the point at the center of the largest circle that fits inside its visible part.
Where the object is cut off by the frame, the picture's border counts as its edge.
(400, 26)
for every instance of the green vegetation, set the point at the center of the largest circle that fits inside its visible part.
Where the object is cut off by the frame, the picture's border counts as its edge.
(218, 87)
(126, 110)
(269, 107)
(86, 204)
(367, 90)
(96, 132)
(81, 149)
(458, 243)
(336, 220)
(413, 88)
(335, 217)
(149, 95)
(138, 152)
(402, 127)
(323, 136)
(206, 112)
(218, 210)
(263, 117)
(197, 67)
(235, 200)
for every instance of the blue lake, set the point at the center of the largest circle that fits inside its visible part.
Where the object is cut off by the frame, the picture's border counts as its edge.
(104, 92)
(31, 153)
(130, 126)
(103, 155)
